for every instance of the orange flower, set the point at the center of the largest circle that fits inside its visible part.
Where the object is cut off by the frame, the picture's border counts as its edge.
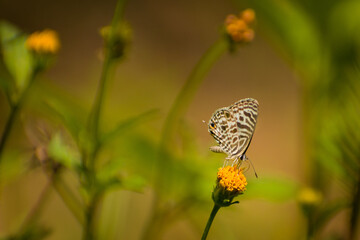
(43, 42)
(248, 15)
(238, 28)
(231, 179)
(230, 183)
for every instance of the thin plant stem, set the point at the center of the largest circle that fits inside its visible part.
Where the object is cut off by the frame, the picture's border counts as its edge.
(89, 227)
(94, 124)
(209, 222)
(36, 210)
(106, 73)
(183, 100)
(72, 203)
(14, 110)
(8, 126)
(152, 229)
(190, 88)
(178, 110)
(64, 192)
(97, 107)
(310, 227)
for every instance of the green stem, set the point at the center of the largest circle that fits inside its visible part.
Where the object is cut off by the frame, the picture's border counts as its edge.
(36, 210)
(190, 88)
(310, 228)
(94, 124)
(211, 219)
(107, 70)
(8, 126)
(178, 110)
(183, 100)
(89, 227)
(100, 97)
(14, 109)
(72, 203)
(153, 229)
(64, 192)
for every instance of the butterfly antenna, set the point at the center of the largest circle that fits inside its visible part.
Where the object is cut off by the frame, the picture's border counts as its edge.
(252, 165)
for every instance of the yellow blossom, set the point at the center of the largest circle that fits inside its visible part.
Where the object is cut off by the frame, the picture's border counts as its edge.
(231, 179)
(248, 15)
(43, 42)
(116, 40)
(238, 28)
(309, 197)
(230, 183)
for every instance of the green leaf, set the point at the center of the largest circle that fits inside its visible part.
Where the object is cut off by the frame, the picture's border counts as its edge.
(17, 58)
(31, 233)
(128, 124)
(112, 175)
(110, 169)
(134, 183)
(61, 152)
(345, 22)
(59, 106)
(270, 188)
(12, 166)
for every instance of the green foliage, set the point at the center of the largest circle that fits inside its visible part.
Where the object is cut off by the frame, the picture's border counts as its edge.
(17, 58)
(325, 48)
(60, 151)
(272, 189)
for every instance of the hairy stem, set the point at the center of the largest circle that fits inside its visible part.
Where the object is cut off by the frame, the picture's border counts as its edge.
(211, 219)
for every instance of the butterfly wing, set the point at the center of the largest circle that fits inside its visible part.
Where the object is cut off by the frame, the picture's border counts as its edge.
(245, 113)
(220, 125)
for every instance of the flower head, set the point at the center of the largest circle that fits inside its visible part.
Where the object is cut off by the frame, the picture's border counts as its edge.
(116, 40)
(238, 27)
(43, 42)
(309, 197)
(230, 183)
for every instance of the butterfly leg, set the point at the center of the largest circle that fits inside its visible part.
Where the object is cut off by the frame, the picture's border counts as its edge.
(226, 162)
(244, 157)
(216, 149)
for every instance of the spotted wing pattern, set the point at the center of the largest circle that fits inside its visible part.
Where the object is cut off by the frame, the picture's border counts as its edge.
(233, 127)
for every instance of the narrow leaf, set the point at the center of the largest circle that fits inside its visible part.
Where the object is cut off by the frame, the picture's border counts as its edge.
(128, 124)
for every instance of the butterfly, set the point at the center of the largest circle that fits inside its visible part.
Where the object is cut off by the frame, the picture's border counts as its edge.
(233, 128)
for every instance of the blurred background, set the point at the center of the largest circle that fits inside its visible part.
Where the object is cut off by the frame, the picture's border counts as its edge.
(283, 68)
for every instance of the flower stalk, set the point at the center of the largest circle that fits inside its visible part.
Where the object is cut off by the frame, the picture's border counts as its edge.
(112, 44)
(43, 46)
(211, 219)
(180, 106)
(15, 107)
(178, 110)
(230, 183)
